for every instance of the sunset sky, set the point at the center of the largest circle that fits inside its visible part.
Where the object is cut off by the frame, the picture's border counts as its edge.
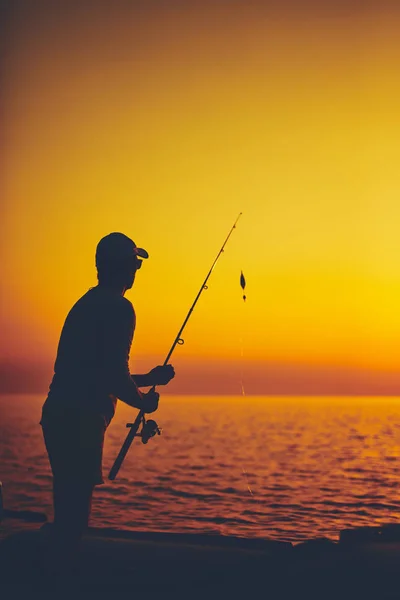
(164, 120)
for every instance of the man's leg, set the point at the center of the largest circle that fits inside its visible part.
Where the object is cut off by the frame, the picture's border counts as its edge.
(72, 506)
(75, 446)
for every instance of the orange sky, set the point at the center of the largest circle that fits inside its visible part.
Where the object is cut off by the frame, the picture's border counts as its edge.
(164, 120)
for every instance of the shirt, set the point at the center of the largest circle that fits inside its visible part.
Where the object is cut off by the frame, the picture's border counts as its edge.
(92, 365)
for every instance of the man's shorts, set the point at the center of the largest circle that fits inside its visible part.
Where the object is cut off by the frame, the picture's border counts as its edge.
(74, 441)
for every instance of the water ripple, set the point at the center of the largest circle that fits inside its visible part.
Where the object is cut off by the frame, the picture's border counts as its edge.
(315, 466)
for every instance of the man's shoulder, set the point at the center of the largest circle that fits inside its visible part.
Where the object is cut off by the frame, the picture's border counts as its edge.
(119, 313)
(114, 303)
(103, 300)
(126, 305)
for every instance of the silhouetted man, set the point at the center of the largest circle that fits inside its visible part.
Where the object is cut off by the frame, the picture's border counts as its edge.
(91, 371)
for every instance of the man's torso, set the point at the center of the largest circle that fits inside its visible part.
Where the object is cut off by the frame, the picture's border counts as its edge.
(80, 369)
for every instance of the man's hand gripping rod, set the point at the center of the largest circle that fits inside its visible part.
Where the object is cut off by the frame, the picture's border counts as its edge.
(152, 427)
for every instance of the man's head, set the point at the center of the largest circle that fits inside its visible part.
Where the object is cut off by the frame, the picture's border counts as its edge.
(117, 260)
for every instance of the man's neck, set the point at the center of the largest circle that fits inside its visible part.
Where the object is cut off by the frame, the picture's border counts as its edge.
(117, 289)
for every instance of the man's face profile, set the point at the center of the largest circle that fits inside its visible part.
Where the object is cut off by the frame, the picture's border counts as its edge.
(137, 263)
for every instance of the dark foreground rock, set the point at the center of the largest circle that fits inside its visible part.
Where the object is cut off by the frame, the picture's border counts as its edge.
(115, 564)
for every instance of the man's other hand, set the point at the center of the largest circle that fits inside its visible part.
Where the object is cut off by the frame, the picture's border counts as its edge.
(150, 401)
(162, 375)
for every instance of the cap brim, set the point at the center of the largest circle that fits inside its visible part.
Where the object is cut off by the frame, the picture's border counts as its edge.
(141, 252)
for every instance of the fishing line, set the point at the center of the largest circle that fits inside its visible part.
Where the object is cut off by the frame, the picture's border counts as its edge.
(150, 427)
(243, 286)
(254, 497)
(247, 481)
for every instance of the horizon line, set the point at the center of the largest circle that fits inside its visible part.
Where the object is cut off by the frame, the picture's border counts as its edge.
(264, 395)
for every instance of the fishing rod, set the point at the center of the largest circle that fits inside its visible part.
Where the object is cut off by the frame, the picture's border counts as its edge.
(150, 427)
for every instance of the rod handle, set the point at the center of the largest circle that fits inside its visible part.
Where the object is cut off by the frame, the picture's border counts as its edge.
(125, 447)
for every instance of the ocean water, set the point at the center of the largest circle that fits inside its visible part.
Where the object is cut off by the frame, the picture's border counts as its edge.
(284, 468)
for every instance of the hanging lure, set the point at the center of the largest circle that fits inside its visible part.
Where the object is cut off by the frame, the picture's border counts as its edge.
(243, 284)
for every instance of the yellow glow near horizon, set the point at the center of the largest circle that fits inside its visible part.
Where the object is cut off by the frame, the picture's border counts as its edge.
(167, 136)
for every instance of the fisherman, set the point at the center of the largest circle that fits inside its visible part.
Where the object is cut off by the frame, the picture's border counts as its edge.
(91, 371)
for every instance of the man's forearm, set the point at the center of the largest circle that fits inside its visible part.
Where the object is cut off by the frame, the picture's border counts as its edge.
(142, 380)
(120, 384)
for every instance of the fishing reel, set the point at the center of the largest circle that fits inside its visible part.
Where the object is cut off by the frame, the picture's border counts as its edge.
(149, 430)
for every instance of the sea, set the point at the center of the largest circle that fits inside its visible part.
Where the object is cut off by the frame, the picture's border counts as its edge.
(283, 468)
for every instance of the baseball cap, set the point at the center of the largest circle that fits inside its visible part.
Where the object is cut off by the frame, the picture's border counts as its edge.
(117, 247)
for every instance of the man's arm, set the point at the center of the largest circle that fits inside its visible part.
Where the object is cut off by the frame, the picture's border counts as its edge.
(160, 375)
(118, 330)
(142, 380)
